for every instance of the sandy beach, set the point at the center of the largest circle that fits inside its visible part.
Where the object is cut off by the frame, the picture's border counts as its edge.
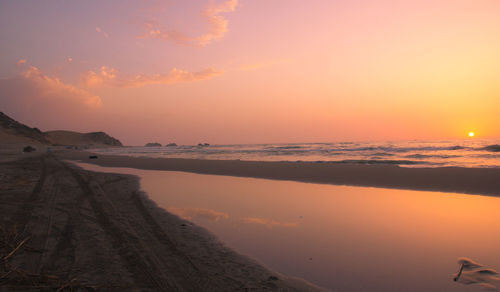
(479, 181)
(69, 229)
(238, 145)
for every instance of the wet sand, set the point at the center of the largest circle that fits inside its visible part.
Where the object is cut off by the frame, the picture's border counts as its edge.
(482, 181)
(64, 227)
(70, 229)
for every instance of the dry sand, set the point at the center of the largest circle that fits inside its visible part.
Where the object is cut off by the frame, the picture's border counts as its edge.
(484, 181)
(74, 230)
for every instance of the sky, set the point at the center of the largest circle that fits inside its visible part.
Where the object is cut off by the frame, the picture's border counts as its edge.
(253, 71)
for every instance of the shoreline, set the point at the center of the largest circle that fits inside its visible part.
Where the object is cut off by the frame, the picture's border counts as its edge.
(78, 229)
(475, 181)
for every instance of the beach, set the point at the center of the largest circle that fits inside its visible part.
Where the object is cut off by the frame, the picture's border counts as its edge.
(66, 228)
(70, 228)
(232, 145)
(478, 181)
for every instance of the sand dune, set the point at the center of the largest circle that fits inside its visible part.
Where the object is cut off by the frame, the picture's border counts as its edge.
(7, 138)
(11, 132)
(14, 133)
(76, 138)
(11, 146)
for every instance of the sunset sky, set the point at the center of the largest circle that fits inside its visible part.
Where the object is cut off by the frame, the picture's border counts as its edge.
(253, 71)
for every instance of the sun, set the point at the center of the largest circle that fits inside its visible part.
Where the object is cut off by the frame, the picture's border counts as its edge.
(471, 134)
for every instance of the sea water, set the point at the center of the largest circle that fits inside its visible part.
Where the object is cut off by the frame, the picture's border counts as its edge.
(462, 153)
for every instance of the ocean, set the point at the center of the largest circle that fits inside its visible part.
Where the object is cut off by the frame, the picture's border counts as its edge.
(456, 153)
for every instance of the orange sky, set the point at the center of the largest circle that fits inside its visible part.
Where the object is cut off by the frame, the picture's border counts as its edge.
(241, 71)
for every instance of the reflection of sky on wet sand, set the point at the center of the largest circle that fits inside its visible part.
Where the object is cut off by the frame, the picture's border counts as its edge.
(268, 222)
(198, 213)
(343, 238)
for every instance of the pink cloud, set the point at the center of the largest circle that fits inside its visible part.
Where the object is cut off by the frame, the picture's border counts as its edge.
(49, 103)
(99, 30)
(53, 87)
(110, 77)
(21, 62)
(217, 26)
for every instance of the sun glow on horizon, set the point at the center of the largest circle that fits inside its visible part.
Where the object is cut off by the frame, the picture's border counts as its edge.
(471, 134)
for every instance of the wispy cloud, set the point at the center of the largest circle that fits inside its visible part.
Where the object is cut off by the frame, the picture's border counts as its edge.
(217, 26)
(35, 96)
(268, 222)
(21, 62)
(53, 87)
(99, 30)
(111, 77)
(69, 60)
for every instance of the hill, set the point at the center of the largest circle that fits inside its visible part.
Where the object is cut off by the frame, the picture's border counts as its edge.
(11, 131)
(14, 132)
(76, 138)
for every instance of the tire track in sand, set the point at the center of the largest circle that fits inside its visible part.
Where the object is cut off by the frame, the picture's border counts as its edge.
(23, 214)
(140, 266)
(192, 272)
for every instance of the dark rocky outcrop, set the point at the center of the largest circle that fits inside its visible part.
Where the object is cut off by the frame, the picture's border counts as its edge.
(153, 144)
(171, 145)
